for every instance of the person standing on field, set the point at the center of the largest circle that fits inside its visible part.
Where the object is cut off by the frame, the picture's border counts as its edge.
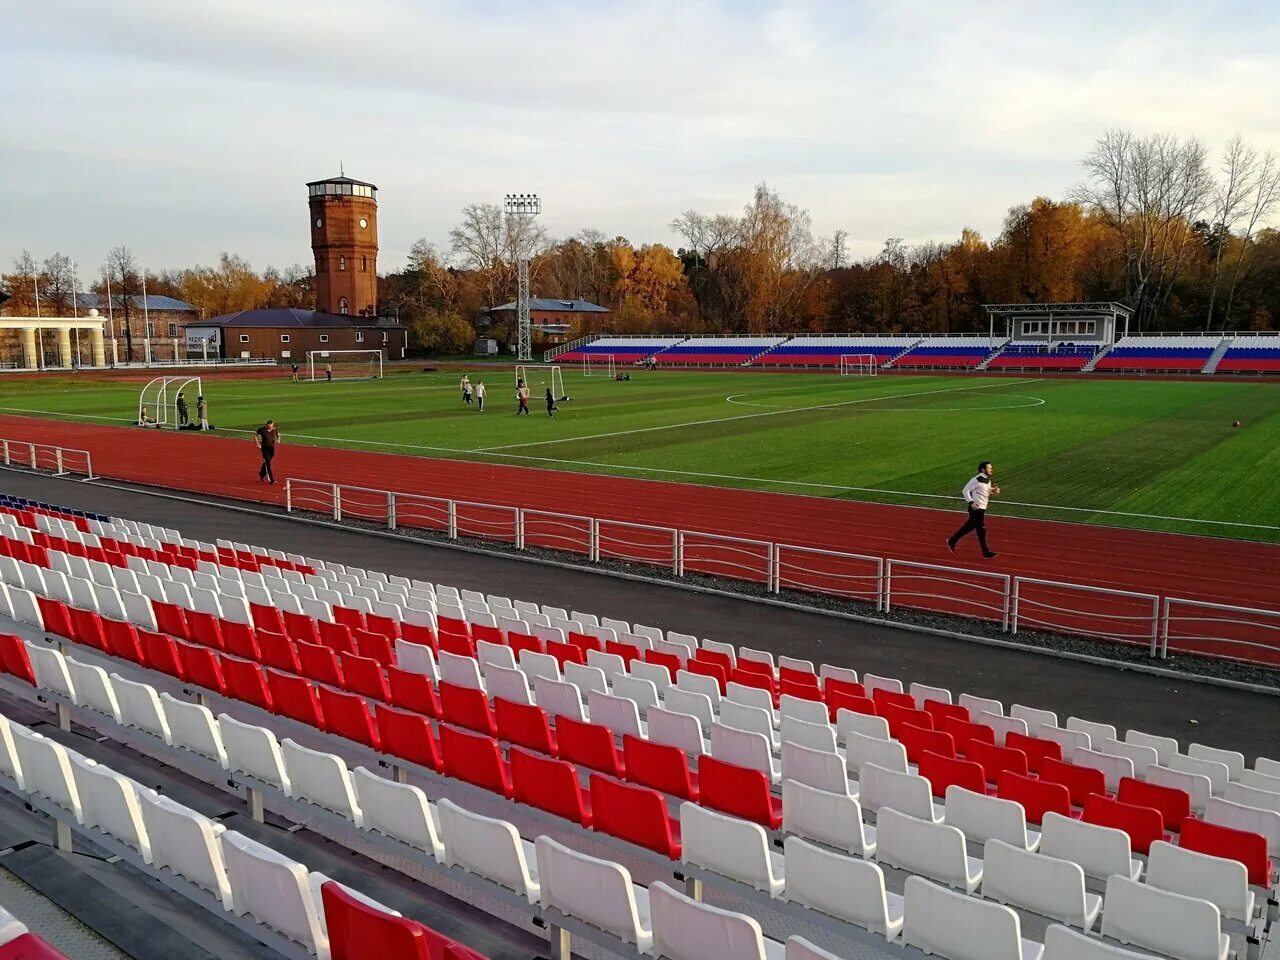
(183, 412)
(977, 494)
(466, 388)
(522, 395)
(328, 372)
(202, 412)
(295, 373)
(267, 437)
(480, 394)
(551, 404)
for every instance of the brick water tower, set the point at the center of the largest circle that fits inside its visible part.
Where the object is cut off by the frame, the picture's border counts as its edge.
(344, 239)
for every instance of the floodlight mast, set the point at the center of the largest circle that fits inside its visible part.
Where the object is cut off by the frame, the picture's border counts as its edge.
(524, 207)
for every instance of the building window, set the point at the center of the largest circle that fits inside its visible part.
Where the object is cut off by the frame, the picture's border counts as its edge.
(385, 335)
(284, 338)
(342, 263)
(124, 327)
(324, 338)
(343, 306)
(244, 338)
(364, 264)
(173, 329)
(151, 329)
(359, 336)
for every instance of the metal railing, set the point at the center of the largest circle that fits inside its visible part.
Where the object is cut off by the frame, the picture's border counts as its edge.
(1162, 625)
(45, 457)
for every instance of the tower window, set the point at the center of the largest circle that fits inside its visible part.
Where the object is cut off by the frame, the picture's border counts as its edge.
(342, 263)
(284, 338)
(364, 264)
(359, 336)
(343, 306)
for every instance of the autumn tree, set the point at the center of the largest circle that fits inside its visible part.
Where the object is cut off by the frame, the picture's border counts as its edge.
(491, 242)
(121, 284)
(646, 279)
(230, 286)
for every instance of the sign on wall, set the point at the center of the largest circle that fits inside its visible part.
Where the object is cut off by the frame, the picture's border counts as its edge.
(200, 338)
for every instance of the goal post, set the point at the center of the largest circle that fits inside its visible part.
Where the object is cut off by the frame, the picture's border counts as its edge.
(542, 376)
(344, 364)
(158, 401)
(859, 364)
(605, 364)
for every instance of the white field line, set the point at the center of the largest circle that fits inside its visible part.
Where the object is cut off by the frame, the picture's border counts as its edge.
(752, 416)
(1035, 402)
(768, 481)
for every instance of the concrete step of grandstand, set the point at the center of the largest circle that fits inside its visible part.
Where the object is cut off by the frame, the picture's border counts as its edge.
(1088, 367)
(1211, 366)
(900, 354)
(767, 351)
(987, 362)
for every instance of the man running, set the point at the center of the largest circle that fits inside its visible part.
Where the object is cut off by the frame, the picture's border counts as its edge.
(977, 493)
(522, 395)
(267, 437)
(480, 394)
(551, 404)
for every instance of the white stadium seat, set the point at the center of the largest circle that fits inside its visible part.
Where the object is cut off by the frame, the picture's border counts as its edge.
(1224, 883)
(984, 818)
(46, 769)
(815, 768)
(140, 707)
(185, 843)
(1045, 885)
(193, 727)
(744, 749)
(255, 751)
(932, 850)
(1063, 943)
(1239, 816)
(831, 818)
(685, 929)
(956, 927)
(598, 892)
(109, 802)
(729, 846)
(1185, 928)
(861, 750)
(1100, 851)
(844, 887)
(321, 778)
(676, 729)
(488, 848)
(397, 810)
(881, 788)
(275, 891)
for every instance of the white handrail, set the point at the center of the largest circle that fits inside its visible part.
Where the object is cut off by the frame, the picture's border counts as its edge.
(60, 461)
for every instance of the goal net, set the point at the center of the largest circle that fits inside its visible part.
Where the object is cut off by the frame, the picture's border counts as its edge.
(169, 402)
(344, 364)
(537, 378)
(859, 364)
(600, 366)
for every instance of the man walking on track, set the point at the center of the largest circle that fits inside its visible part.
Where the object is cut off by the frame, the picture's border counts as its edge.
(480, 394)
(522, 395)
(977, 493)
(267, 437)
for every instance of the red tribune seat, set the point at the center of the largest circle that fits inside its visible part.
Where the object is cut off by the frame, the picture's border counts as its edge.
(965, 733)
(584, 642)
(266, 618)
(348, 715)
(997, 760)
(413, 691)
(1036, 749)
(739, 791)
(899, 717)
(246, 681)
(348, 617)
(358, 930)
(301, 627)
(336, 636)
(717, 657)
(170, 619)
(29, 946)
(204, 628)
(279, 651)
(626, 651)
(524, 724)
(919, 741)
(386, 626)
(1174, 804)
(549, 784)
(295, 697)
(660, 766)
(122, 640)
(453, 625)
(375, 646)
(202, 667)
(474, 758)
(482, 631)
(801, 691)
(838, 700)
(884, 697)
(803, 678)
(944, 711)
(942, 772)
(589, 744)
(706, 669)
(88, 629)
(457, 644)
(834, 685)
(160, 652)
(563, 652)
(1080, 782)
(419, 633)
(466, 707)
(1144, 825)
(522, 641)
(56, 616)
(238, 639)
(668, 660)
(364, 676)
(407, 736)
(1037, 797)
(633, 813)
(14, 660)
(1218, 841)
(319, 663)
(754, 666)
(752, 678)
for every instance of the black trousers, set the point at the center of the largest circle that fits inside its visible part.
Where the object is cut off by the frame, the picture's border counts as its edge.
(976, 523)
(523, 408)
(268, 453)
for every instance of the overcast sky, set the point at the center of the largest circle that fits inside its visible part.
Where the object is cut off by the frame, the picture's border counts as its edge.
(187, 128)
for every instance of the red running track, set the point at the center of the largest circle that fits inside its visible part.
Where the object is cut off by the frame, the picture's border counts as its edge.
(1202, 568)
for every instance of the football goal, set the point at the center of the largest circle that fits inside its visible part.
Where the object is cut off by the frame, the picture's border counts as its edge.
(599, 366)
(859, 364)
(539, 379)
(158, 404)
(344, 364)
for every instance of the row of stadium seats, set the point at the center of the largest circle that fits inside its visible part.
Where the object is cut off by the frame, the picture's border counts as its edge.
(775, 680)
(1040, 356)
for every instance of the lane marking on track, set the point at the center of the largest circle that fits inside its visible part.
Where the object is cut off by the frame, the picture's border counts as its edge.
(750, 416)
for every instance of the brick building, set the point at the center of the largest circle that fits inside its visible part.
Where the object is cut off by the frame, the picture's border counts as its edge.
(287, 334)
(554, 321)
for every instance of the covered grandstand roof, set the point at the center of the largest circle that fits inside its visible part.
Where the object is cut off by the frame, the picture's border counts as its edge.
(552, 305)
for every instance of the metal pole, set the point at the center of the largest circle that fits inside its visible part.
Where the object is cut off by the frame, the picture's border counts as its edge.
(523, 207)
(391, 510)
(337, 502)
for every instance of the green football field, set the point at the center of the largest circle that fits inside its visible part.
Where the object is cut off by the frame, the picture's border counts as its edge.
(1159, 455)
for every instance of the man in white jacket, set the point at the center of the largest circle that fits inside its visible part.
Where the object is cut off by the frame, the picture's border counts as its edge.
(977, 494)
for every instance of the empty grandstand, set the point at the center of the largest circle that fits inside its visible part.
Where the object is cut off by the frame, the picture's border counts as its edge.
(1160, 354)
(1043, 356)
(1251, 353)
(949, 353)
(623, 349)
(825, 352)
(717, 351)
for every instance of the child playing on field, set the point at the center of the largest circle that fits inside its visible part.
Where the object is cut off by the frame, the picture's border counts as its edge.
(551, 404)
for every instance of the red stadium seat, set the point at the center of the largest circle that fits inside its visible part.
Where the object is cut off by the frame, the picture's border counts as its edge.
(1037, 797)
(801, 678)
(204, 628)
(474, 758)
(1218, 841)
(739, 791)
(348, 715)
(1036, 749)
(202, 667)
(413, 691)
(919, 740)
(419, 633)
(365, 677)
(522, 641)
(266, 618)
(563, 652)
(549, 784)
(668, 660)
(706, 669)
(87, 629)
(408, 736)
(718, 657)
(964, 733)
(1144, 825)
(457, 644)
(837, 701)
(159, 652)
(633, 813)
(278, 651)
(584, 642)
(56, 616)
(942, 772)
(296, 698)
(755, 666)
(482, 631)
(122, 640)
(833, 685)
(899, 717)
(14, 660)
(374, 646)
(801, 691)
(358, 930)
(336, 636)
(660, 766)
(170, 619)
(319, 663)
(997, 760)
(300, 627)
(626, 651)
(1174, 804)
(239, 640)
(467, 707)
(589, 744)
(385, 626)
(347, 617)
(884, 697)
(1080, 782)
(246, 681)
(754, 678)
(525, 725)
(943, 711)
(453, 625)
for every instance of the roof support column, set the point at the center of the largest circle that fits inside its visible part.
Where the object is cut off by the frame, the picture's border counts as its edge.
(97, 348)
(30, 358)
(64, 347)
